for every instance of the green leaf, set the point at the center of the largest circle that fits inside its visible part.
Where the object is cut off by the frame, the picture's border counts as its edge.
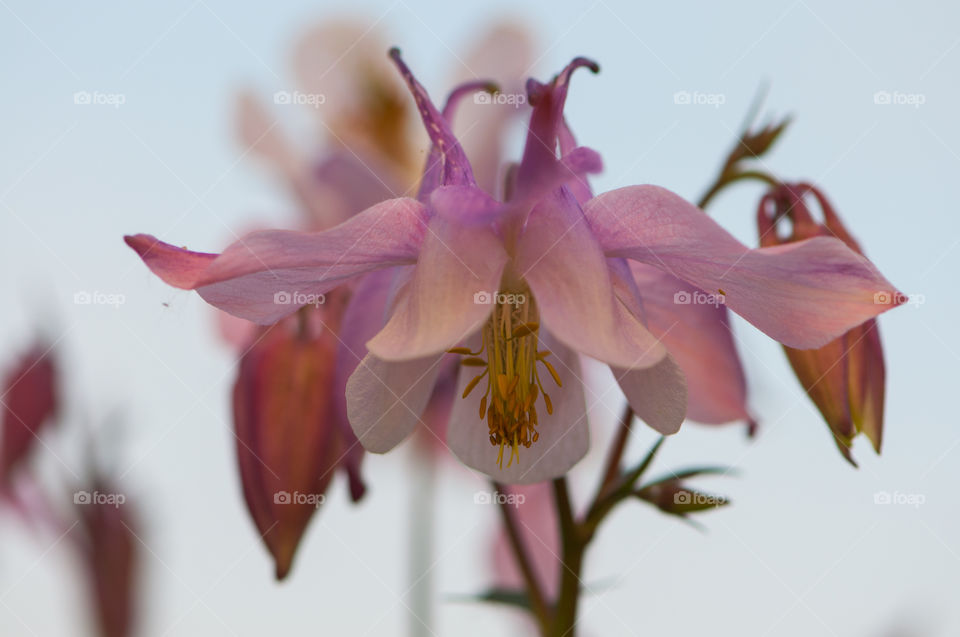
(757, 143)
(691, 473)
(511, 597)
(671, 496)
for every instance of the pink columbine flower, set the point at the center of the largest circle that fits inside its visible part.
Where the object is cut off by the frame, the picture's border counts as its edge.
(845, 377)
(520, 288)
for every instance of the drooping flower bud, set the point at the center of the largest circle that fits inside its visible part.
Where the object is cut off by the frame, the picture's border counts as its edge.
(844, 378)
(288, 444)
(110, 555)
(28, 402)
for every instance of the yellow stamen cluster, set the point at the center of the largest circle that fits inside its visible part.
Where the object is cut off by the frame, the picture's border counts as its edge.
(509, 357)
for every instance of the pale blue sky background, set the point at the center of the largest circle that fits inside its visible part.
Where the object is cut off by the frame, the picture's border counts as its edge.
(804, 550)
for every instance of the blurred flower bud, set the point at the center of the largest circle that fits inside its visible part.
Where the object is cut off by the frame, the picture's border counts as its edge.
(288, 443)
(110, 555)
(29, 401)
(844, 378)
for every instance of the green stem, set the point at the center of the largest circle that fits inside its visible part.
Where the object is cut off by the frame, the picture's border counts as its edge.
(420, 556)
(605, 502)
(726, 179)
(565, 620)
(615, 455)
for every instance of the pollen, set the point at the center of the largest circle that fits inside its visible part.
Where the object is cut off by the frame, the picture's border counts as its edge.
(507, 362)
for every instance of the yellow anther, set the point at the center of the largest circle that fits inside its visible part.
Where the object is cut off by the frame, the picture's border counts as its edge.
(525, 330)
(472, 384)
(509, 355)
(548, 403)
(553, 372)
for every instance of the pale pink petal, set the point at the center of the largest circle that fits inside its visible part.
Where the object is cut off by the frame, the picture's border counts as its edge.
(259, 133)
(658, 394)
(341, 60)
(363, 317)
(269, 274)
(564, 435)
(698, 335)
(340, 185)
(802, 294)
(568, 275)
(436, 416)
(439, 307)
(385, 400)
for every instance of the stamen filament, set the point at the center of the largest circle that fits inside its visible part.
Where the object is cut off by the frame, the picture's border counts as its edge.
(509, 342)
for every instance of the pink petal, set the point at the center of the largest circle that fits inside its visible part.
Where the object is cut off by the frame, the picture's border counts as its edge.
(342, 59)
(436, 416)
(364, 315)
(567, 272)
(259, 133)
(340, 185)
(699, 338)
(179, 267)
(564, 435)
(467, 205)
(269, 274)
(385, 400)
(658, 394)
(570, 170)
(802, 294)
(438, 308)
(540, 150)
(447, 164)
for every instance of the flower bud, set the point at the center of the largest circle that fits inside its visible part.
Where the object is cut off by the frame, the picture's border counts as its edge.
(288, 444)
(110, 555)
(29, 402)
(844, 378)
